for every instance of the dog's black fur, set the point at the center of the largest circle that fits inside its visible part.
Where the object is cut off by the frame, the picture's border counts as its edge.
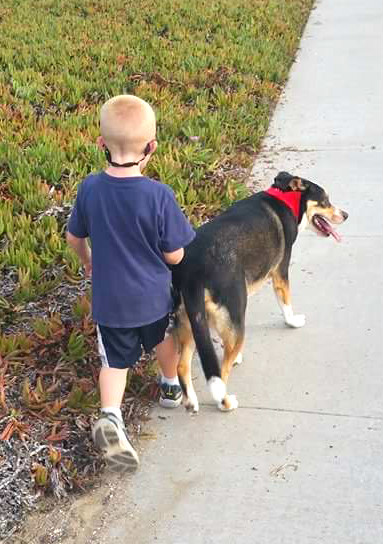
(231, 257)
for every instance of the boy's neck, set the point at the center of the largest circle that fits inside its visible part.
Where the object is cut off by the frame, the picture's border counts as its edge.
(120, 172)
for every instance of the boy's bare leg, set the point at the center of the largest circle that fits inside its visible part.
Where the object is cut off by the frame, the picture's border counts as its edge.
(168, 357)
(112, 386)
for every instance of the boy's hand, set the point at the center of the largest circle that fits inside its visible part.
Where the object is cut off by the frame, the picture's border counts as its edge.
(80, 246)
(174, 257)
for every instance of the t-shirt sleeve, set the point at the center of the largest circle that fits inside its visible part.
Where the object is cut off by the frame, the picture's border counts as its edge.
(77, 224)
(175, 229)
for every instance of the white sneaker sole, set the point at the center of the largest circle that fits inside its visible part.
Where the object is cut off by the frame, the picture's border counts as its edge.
(168, 403)
(119, 454)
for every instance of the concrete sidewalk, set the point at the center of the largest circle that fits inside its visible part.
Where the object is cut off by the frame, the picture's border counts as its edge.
(301, 460)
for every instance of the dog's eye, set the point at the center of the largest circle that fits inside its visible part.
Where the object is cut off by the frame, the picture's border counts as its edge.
(325, 203)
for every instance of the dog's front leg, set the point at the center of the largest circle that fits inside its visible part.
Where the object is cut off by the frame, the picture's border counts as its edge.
(282, 292)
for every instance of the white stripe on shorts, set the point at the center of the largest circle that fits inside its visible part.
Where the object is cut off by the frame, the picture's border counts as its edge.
(101, 349)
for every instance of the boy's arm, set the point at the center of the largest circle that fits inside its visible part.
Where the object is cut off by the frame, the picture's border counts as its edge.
(175, 232)
(81, 247)
(174, 257)
(77, 232)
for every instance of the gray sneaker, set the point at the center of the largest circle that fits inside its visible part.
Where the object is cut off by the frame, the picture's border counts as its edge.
(110, 436)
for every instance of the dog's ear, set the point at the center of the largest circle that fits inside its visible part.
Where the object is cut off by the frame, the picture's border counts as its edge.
(299, 184)
(282, 181)
(286, 182)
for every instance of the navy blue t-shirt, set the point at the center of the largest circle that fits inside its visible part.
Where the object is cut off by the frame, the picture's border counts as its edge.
(130, 222)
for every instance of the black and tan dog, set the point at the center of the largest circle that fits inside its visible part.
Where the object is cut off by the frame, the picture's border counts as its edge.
(230, 258)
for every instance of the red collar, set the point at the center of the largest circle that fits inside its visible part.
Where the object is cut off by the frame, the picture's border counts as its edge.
(291, 199)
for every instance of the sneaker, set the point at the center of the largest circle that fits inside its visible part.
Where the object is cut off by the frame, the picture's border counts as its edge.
(170, 395)
(110, 436)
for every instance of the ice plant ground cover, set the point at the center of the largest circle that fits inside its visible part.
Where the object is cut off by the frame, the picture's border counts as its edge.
(213, 70)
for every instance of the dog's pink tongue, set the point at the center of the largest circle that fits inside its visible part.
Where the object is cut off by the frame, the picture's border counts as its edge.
(333, 233)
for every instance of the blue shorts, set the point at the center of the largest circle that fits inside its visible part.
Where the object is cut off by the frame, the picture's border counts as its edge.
(122, 347)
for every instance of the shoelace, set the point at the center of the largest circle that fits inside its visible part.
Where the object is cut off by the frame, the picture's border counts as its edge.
(169, 390)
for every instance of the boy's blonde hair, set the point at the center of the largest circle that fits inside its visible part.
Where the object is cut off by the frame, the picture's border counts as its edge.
(127, 124)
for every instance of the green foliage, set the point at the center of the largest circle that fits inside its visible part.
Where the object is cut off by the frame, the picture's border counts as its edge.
(77, 347)
(11, 344)
(42, 327)
(81, 401)
(82, 307)
(47, 328)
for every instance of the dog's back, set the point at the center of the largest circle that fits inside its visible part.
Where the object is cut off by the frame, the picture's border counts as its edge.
(249, 239)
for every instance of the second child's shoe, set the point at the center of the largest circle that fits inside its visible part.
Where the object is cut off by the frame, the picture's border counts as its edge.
(170, 395)
(110, 436)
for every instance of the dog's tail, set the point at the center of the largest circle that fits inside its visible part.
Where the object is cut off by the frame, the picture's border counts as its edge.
(194, 300)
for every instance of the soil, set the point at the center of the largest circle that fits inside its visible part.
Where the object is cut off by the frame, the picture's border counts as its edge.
(75, 520)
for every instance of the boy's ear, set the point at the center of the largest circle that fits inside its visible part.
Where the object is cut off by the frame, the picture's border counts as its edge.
(149, 150)
(100, 143)
(151, 147)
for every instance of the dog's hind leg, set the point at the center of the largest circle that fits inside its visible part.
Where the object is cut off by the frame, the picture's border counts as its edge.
(187, 346)
(282, 291)
(229, 322)
(232, 346)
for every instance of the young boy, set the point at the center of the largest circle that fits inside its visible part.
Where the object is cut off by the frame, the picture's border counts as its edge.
(136, 228)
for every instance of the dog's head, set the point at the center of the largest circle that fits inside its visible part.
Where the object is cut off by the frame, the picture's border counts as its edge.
(316, 209)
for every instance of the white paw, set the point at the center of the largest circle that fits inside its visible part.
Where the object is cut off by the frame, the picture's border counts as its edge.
(191, 403)
(228, 404)
(217, 388)
(239, 359)
(296, 321)
(192, 408)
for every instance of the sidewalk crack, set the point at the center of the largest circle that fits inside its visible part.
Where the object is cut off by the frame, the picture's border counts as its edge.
(308, 412)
